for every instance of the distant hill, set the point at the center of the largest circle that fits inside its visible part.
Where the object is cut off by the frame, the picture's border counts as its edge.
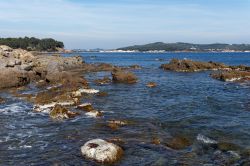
(32, 43)
(187, 47)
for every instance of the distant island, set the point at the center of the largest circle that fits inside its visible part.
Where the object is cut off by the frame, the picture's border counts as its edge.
(186, 47)
(33, 44)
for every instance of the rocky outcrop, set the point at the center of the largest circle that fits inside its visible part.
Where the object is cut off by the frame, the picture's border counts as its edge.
(192, 66)
(90, 111)
(19, 67)
(59, 112)
(13, 78)
(233, 75)
(102, 151)
(120, 76)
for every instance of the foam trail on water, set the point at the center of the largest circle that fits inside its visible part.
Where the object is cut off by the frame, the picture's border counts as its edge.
(205, 139)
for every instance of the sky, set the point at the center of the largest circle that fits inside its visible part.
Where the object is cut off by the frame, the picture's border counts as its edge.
(116, 23)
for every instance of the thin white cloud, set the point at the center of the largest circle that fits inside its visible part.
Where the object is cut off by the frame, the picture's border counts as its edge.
(95, 23)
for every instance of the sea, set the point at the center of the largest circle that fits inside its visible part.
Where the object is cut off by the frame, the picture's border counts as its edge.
(206, 119)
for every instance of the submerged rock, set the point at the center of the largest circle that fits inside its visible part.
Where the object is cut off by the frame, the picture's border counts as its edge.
(124, 77)
(115, 124)
(179, 143)
(102, 151)
(2, 100)
(86, 107)
(192, 66)
(102, 94)
(103, 81)
(156, 141)
(151, 84)
(90, 111)
(60, 112)
(135, 67)
(226, 146)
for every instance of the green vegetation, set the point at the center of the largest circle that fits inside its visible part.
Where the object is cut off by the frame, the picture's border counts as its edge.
(32, 44)
(187, 47)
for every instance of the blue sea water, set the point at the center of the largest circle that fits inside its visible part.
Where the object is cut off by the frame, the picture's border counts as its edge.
(205, 111)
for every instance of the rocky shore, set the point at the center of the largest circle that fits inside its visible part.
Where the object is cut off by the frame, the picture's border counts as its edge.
(61, 85)
(62, 91)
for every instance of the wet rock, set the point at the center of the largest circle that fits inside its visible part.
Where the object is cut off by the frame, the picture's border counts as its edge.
(60, 112)
(116, 140)
(178, 143)
(2, 100)
(46, 108)
(104, 81)
(151, 84)
(116, 124)
(86, 107)
(234, 75)
(52, 95)
(90, 111)
(102, 151)
(135, 67)
(226, 146)
(102, 94)
(124, 77)
(192, 66)
(156, 141)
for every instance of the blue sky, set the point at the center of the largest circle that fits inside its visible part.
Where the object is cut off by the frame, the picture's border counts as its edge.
(117, 23)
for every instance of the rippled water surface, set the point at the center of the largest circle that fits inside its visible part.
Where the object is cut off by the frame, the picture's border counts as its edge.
(193, 106)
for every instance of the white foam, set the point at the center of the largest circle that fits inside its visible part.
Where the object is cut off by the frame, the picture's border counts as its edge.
(89, 91)
(205, 139)
(46, 108)
(93, 114)
(234, 154)
(84, 105)
(25, 147)
(14, 108)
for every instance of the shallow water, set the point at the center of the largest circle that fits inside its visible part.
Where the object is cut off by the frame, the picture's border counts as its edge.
(190, 105)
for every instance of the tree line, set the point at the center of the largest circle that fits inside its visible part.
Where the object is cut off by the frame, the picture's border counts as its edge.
(188, 47)
(32, 43)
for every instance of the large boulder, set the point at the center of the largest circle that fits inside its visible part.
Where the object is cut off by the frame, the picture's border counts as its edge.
(11, 77)
(57, 63)
(120, 76)
(102, 151)
(192, 66)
